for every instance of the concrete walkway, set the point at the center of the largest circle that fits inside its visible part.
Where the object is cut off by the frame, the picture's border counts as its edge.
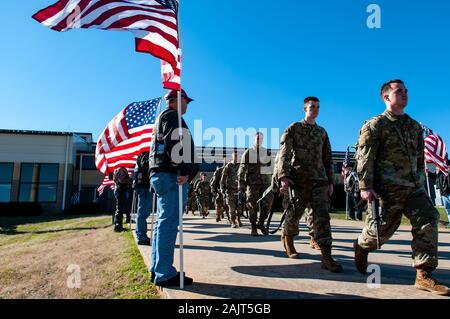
(229, 263)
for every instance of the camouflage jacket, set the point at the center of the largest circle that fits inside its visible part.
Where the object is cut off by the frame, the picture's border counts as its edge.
(305, 154)
(191, 192)
(254, 163)
(215, 181)
(229, 180)
(203, 188)
(390, 152)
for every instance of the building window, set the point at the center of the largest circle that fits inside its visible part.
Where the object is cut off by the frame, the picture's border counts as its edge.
(6, 175)
(38, 183)
(88, 162)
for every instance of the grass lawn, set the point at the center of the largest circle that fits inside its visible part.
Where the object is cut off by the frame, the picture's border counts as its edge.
(38, 255)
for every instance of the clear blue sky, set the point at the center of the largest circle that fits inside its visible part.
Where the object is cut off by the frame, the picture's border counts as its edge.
(246, 64)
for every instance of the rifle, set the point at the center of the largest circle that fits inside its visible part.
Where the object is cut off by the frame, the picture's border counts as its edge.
(377, 215)
(269, 218)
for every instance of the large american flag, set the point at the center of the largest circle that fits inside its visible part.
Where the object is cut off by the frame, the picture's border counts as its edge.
(127, 135)
(435, 150)
(152, 22)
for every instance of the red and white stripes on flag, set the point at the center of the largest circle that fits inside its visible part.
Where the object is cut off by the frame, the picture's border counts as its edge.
(170, 77)
(106, 183)
(152, 22)
(435, 152)
(127, 135)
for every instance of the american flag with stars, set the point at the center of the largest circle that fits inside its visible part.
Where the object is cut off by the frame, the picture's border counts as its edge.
(127, 135)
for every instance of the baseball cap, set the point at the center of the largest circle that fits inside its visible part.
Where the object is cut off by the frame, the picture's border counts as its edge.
(173, 94)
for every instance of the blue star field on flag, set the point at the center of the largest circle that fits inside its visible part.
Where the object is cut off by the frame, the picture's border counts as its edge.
(141, 113)
(171, 4)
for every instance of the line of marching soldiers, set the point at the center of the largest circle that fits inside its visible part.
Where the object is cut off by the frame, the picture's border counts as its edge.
(390, 171)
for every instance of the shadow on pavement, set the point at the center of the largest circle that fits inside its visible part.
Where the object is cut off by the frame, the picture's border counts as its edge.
(243, 292)
(390, 274)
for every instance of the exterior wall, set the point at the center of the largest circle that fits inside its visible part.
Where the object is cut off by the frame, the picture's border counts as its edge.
(28, 148)
(20, 148)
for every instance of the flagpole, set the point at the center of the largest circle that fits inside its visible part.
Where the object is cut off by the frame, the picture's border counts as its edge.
(347, 215)
(153, 210)
(428, 180)
(425, 131)
(180, 187)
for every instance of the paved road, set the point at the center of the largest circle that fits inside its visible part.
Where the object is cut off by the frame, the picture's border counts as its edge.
(229, 263)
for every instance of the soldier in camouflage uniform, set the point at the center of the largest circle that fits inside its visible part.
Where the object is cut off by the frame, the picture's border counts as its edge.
(390, 166)
(306, 164)
(219, 196)
(190, 202)
(253, 176)
(229, 186)
(203, 192)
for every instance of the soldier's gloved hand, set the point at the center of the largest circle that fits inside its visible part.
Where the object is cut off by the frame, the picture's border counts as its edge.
(369, 195)
(285, 182)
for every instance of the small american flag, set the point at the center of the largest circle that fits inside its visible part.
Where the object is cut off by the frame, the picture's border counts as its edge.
(345, 169)
(152, 22)
(435, 150)
(127, 135)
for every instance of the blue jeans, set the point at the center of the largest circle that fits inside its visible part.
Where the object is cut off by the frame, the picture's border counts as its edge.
(166, 226)
(144, 206)
(446, 200)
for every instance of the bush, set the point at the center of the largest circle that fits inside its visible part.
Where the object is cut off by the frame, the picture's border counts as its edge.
(20, 209)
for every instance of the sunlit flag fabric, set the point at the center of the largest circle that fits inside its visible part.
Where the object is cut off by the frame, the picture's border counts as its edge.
(435, 150)
(170, 77)
(127, 135)
(345, 170)
(152, 22)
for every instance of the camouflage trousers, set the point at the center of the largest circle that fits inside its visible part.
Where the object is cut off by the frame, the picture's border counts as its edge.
(204, 202)
(314, 195)
(190, 204)
(417, 207)
(254, 193)
(309, 221)
(308, 215)
(232, 202)
(221, 206)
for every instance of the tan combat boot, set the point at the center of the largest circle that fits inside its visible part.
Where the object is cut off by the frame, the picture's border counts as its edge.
(313, 244)
(424, 281)
(327, 261)
(288, 243)
(361, 258)
(262, 228)
(254, 230)
(239, 221)
(233, 222)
